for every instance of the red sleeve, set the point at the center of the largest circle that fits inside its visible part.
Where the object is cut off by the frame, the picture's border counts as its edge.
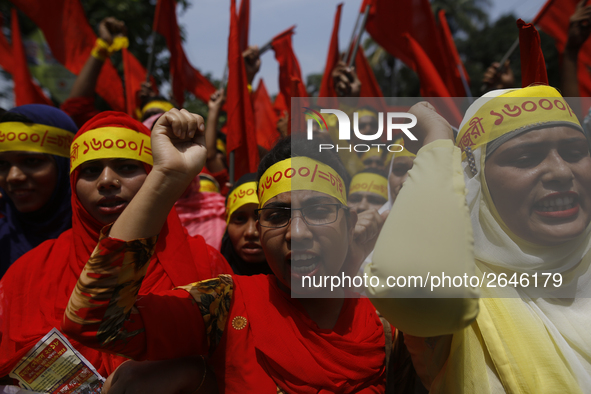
(219, 265)
(104, 312)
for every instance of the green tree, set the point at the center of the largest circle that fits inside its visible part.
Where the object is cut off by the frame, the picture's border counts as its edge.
(464, 15)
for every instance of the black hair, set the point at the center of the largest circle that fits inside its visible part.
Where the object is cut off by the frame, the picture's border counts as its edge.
(294, 146)
(14, 117)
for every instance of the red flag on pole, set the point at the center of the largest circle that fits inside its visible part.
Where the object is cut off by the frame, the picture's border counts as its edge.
(290, 77)
(71, 39)
(431, 83)
(390, 21)
(369, 83)
(554, 19)
(265, 118)
(533, 65)
(241, 135)
(327, 86)
(455, 67)
(134, 74)
(184, 76)
(25, 91)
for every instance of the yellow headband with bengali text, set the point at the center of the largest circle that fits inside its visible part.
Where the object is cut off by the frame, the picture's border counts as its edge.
(301, 173)
(110, 143)
(527, 107)
(163, 105)
(242, 195)
(369, 182)
(33, 137)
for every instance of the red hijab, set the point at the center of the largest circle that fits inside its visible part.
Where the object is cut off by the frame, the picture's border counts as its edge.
(36, 289)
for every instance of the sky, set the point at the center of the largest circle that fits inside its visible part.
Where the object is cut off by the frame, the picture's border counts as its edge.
(206, 25)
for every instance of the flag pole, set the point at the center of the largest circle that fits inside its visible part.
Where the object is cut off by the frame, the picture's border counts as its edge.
(503, 61)
(358, 40)
(231, 169)
(151, 56)
(346, 56)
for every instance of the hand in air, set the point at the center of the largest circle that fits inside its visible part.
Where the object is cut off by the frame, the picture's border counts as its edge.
(430, 127)
(368, 227)
(109, 28)
(178, 145)
(345, 80)
(579, 27)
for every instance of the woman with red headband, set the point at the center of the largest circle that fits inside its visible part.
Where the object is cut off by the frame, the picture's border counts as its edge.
(110, 158)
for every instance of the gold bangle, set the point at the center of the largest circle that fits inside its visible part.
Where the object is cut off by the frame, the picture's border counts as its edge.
(204, 374)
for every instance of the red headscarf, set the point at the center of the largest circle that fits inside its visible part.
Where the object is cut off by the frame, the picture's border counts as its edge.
(36, 289)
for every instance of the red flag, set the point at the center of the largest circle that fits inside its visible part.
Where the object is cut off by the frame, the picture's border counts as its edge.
(265, 118)
(290, 77)
(241, 136)
(6, 60)
(533, 65)
(71, 39)
(454, 63)
(243, 23)
(134, 74)
(554, 19)
(184, 76)
(431, 83)
(389, 21)
(327, 86)
(280, 105)
(25, 91)
(369, 83)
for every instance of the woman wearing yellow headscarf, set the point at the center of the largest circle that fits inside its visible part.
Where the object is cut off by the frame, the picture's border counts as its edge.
(527, 171)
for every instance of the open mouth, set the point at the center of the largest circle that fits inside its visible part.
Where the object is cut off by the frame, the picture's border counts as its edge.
(558, 205)
(304, 263)
(112, 205)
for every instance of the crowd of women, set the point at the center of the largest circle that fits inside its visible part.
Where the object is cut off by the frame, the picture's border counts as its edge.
(168, 279)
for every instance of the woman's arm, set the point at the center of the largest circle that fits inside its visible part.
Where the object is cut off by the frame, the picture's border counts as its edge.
(426, 234)
(102, 311)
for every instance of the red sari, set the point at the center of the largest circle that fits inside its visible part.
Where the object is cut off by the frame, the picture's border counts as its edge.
(35, 291)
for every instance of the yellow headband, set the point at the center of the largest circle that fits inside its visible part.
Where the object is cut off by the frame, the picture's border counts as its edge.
(163, 105)
(369, 182)
(108, 143)
(300, 173)
(366, 112)
(207, 185)
(242, 195)
(528, 107)
(220, 145)
(18, 136)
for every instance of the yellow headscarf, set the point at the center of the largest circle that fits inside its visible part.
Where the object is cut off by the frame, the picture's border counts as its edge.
(533, 343)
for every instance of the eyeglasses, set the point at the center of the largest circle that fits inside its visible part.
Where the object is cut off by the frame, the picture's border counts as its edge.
(313, 215)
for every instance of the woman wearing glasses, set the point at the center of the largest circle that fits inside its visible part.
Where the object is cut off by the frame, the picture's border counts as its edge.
(258, 338)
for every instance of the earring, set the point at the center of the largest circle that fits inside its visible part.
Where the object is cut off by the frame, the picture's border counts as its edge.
(471, 160)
